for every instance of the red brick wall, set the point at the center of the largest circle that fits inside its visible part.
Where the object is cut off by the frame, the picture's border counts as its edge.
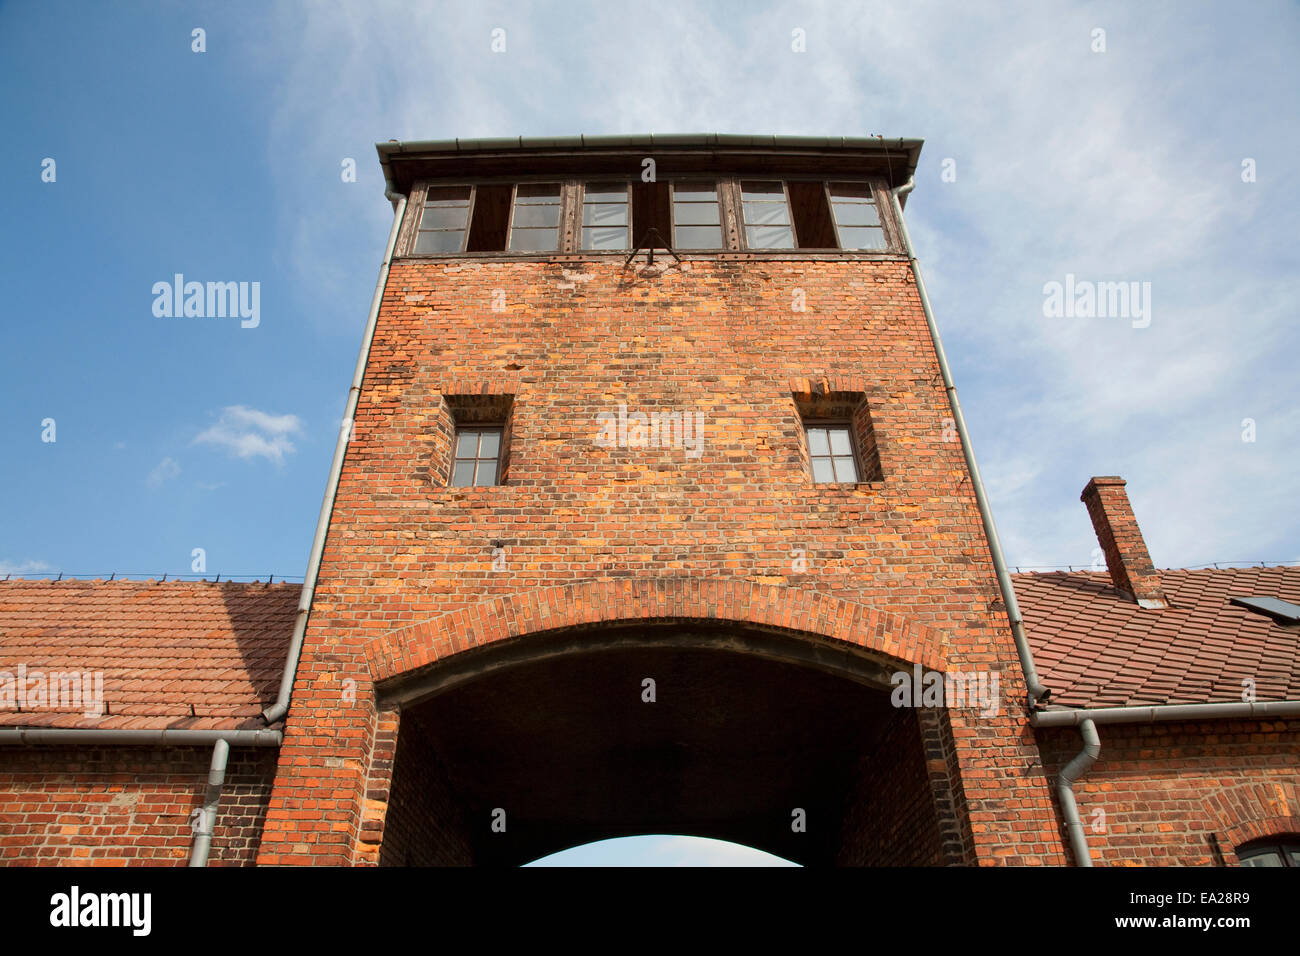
(1183, 794)
(889, 822)
(575, 340)
(424, 825)
(126, 806)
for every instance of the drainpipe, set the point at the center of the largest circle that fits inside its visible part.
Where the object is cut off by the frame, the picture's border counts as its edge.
(1071, 772)
(219, 739)
(1161, 712)
(208, 815)
(1087, 719)
(1037, 692)
(278, 710)
(140, 738)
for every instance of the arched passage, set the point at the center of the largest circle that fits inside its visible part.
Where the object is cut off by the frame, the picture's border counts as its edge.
(775, 739)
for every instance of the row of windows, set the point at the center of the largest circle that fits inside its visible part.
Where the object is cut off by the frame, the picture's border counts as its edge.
(478, 454)
(620, 216)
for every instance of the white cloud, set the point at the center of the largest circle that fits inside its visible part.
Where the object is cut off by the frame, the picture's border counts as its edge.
(248, 433)
(1115, 166)
(23, 567)
(164, 471)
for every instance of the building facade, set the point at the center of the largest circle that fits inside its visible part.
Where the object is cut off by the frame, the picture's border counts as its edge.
(655, 512)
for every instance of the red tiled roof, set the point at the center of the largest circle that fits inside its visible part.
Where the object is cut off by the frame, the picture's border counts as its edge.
(200, 655)
(191, 655)
(1095, 648)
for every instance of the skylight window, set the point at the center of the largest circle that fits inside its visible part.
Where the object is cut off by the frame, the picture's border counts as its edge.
(1282, 611)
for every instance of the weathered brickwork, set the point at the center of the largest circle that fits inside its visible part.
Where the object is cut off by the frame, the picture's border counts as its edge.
(423, 814)
(126, 806)
(576, 339)
(1184, 794)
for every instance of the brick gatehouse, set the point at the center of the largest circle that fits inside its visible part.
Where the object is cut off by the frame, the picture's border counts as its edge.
(656, 513)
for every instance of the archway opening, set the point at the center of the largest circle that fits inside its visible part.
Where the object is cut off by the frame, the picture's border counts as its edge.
(767, 741)
(662, 850)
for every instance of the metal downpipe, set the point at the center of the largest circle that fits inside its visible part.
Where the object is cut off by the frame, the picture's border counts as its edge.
(1037, 692)
(1070, 773)
(208, 815)
(281, 706)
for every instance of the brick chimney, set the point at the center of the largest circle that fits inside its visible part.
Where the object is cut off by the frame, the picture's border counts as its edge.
(1120, 538)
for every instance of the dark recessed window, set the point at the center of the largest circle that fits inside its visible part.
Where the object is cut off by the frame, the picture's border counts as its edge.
(857, 220)
(830, 452)
(605, 220)
(1270, 852)
(478, 457)
(444, 220)
(697, 221)
(767, 216)
(535, 224)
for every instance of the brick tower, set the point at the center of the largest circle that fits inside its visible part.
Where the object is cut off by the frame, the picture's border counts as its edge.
(654, 518)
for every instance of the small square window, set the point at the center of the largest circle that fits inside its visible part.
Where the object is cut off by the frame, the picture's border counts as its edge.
(478, 457)
(830, 452)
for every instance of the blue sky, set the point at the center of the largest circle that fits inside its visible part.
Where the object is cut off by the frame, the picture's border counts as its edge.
(1122, 164)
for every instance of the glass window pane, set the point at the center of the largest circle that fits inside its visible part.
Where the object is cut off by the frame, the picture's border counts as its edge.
(845, 470)
(1295, 857)
(537, 193)
(537, 215)
(771, 191)
(817, 443)
(444, 217)
(487, 472)
(463, 474)
(534, 240)
(840, 441)
(769, 237)
(605, 192)
(1270, 858)
(604, 214)
(860, 192)
(615, 238)
(695, 192)
(439, 241)
(862, 238)
(698, 237)
(766, 213)
(490, 445)
(822, 470)
(696, 214)
(467, 444)
(856, 214)
(447, 196)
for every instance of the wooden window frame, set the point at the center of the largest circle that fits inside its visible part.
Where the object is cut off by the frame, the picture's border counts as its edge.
(480, 428)
(510, 226)
(469, 218)
(854, 452)
(874, 189)
(672, 213)
(580, 203)
(789, 211)
(573, 191)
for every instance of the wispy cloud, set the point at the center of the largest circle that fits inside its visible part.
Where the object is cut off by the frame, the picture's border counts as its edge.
(248, 433)
(23, 567)
(164, 471)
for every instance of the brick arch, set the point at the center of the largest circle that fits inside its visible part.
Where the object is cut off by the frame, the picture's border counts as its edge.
(408, 649)
(1252, 811)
